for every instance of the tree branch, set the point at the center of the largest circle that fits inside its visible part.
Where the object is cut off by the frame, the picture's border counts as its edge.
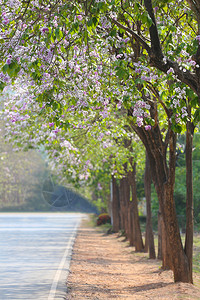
(156, 93)
(155, 41)
(134, 35)
(184, 76)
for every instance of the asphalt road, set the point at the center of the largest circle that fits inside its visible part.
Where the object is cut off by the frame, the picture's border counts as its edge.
(35, 251)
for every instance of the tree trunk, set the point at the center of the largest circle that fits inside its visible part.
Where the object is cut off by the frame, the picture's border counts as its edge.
(124, 199)
(189, 197)
(132, 236)
(127, 210)
(163, 176)
(122, 204)
(139, 246)
(159, 256)
(115, 206)
(149, 243)
(165, 247)
(129, 229)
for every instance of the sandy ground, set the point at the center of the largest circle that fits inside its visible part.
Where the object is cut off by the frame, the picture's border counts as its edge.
(105, 267)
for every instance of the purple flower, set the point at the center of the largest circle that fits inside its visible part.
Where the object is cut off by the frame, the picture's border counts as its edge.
(156, 8)
(44, 29)
(56, 130)
(198, 38)
(138, 70)
(5, 20)
(126, 40)
(51, 124)
(79, 17)
(139, 121)
(171, 70)
(147, 127)
(177, 119)
(8, 61)
(99, 186)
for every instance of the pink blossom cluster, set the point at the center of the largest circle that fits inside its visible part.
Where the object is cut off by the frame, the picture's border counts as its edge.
(140, 112)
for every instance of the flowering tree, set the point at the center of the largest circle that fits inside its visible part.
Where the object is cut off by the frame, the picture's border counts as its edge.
(83, 60)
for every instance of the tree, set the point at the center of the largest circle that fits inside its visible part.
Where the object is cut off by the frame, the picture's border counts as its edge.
(21, 178)
(114, 54)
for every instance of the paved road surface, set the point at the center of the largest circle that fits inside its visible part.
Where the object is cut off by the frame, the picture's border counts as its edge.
(35, 253)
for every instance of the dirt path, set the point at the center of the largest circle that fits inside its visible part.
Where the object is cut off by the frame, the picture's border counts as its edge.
(104, 267)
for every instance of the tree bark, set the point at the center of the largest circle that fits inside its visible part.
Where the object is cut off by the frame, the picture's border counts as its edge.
(159, 256)
(115, 206)
(149, 243)
(163, 176)
(189, 197)
(165, 247)
(139, 246)
(127, 200)
(132, 239)
(124, 199)
(122, 204)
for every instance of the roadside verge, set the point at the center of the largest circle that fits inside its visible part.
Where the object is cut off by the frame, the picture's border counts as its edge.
(105, 267)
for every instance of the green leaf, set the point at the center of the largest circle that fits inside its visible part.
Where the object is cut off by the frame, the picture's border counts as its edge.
(197, 116)
(66, 124)
(138, 81)
(5, 68)
(194, 101)
(177, 128)
(146, 19)
(63, 49)
(95, 21)
(2, 85)
(58, 34)
(149, 21)
(122, 73)
(113, 32)
(89, 23)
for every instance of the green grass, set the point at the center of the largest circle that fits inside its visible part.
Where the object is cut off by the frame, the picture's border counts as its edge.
(196, 251)
(196, 254)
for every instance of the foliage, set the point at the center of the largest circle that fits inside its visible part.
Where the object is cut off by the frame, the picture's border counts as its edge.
(85, 71)
(180, 185)
(21, 176)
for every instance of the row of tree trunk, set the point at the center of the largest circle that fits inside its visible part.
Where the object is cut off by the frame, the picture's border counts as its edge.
(160, 168)
(125, 214)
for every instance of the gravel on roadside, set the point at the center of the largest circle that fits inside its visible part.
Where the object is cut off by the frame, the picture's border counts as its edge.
(105, 267)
